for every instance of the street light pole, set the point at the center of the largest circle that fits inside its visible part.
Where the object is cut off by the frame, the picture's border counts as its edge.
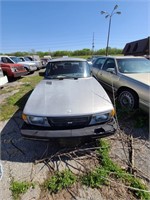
(110, 16)
(108, 36)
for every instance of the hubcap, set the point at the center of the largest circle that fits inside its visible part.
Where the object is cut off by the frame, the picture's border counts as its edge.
(126, 100)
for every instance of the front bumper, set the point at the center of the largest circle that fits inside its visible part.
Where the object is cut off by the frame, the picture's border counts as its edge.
(32, 68)
(19, 74)
(97, 131)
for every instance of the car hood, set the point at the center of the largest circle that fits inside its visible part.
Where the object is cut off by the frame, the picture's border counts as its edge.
(13, 64)
(27, 63)
(142, 77)
(37, 61)
(68, 97)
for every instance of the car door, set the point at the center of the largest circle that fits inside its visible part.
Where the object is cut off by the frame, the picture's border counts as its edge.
(107, 75)
(97, 66)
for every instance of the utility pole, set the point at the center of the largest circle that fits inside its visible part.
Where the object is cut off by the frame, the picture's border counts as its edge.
(93, 45)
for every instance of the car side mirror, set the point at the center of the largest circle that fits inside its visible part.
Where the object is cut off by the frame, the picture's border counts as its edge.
(111, 70)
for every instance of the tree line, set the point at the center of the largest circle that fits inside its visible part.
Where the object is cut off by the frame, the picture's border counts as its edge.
(84, 52)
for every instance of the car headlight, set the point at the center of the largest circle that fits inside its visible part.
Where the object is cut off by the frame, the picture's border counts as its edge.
(101, 117)
(13, 69)
(26, 66)
(35, 120)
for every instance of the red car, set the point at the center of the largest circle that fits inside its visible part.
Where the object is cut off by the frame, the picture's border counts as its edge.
(12, 70)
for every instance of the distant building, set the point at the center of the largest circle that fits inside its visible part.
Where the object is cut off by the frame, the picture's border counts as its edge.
(138, 48)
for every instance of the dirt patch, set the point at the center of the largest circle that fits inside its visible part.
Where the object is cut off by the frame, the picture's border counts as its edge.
(77, 192)
(117, 191)
(18, 160)
(6, 95)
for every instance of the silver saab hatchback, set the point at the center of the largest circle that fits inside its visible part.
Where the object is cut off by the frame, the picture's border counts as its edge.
(68, 103)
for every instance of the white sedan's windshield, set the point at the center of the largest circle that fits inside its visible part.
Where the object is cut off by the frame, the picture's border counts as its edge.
(15, 59)
(67, 69)
(133, 65)
(26, 59)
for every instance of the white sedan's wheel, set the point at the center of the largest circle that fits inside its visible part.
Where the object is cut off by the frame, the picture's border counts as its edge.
(128, 99)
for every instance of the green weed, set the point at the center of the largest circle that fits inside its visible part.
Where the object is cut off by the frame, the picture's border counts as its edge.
(18, 188)
(60, 181)
(136, 183)
(140, 118)
(96, 178)
(108, 168)
(18, 100)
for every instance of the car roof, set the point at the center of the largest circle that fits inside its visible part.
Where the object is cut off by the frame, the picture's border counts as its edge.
(4, 56)
(124, 57)
(66, 59)
(100, 57)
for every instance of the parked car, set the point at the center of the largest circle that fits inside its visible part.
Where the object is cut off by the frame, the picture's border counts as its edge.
(147, 56)
(68, 103)
(29, 66)
(97, 63)
(36, 62)
(128, 77)
(10, 69)
(36, 59)
(44, 61)
(3, 78)
(92, 59)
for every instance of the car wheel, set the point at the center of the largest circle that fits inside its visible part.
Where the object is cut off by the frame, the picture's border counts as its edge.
(10, 78)
(27, 70)
(128, 99)
(31, 72)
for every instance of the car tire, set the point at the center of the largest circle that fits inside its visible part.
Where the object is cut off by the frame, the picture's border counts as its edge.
(128, 99)
(10, 78)
(31, 72)
(27, 70)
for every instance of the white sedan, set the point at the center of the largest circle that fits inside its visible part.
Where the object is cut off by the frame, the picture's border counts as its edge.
(68, 103)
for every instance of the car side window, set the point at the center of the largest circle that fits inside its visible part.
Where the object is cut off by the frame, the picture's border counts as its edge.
(109, 65)
(99, 62)
(21, 59)
(6, 60)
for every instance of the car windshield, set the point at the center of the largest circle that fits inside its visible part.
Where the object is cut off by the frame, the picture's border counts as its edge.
(133, 65)
(26, 59)
(93, 59)
(15, 59)
(67, 69)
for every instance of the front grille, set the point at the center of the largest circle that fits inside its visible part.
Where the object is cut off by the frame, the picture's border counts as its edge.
(70, 122)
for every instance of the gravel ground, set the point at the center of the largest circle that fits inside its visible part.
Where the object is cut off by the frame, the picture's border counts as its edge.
(20, 162)
(18, 157)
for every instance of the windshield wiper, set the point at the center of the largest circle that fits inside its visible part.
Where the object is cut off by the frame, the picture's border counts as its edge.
(61, 77)
(65, 77)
